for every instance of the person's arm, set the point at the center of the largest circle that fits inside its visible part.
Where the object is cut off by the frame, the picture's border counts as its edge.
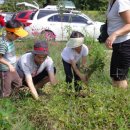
(50, 70)
(5, 62)
(82, 76)
(31, 87)
(52, 78)
(84, 61)
(122, 31)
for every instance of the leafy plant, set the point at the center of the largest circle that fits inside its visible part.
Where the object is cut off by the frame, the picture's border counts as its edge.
(96, 59)
(104, 107)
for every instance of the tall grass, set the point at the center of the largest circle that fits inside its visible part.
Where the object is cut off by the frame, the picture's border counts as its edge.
(104, 107)
(96, 15)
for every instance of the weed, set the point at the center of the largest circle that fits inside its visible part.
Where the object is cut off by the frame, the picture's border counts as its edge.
(103, 108)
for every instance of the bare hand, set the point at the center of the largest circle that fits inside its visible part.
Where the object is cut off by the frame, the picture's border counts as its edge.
(83, 78)
(37, 98)
(110, 40)
(12, 68)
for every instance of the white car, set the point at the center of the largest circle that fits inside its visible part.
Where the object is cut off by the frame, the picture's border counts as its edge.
(59, 24)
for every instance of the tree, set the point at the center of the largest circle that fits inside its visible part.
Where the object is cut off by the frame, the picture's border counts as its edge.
(10, 5)
(91, 5)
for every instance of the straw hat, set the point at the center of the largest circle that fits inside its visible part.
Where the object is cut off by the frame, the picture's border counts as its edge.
(75, 42)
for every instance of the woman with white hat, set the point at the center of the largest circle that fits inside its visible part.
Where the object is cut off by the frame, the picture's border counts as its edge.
(74, 51)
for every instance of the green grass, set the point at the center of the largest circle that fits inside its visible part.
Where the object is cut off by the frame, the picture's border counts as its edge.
(96, 15)
(104, 108)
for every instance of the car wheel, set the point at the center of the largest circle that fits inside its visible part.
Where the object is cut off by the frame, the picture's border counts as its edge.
(49, 35)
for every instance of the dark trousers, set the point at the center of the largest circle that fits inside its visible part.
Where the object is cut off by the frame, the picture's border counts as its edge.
(70, 73)
(39, 77)
(120, 61)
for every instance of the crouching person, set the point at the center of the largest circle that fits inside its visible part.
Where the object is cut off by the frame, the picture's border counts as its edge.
(36, 68)
(75, 51)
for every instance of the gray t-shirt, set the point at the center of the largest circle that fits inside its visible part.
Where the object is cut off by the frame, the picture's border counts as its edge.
(27, 65)
(114, 19)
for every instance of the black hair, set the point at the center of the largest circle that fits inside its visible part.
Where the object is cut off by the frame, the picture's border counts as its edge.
(76, 34)
(13, 24)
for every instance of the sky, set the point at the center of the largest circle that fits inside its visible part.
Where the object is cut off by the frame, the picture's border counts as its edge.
(1, 1)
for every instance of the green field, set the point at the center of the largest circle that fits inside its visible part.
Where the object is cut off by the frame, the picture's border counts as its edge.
(104, 108)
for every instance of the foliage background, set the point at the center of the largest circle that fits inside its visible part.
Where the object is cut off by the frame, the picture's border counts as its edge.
(100, 5)
(104, 108)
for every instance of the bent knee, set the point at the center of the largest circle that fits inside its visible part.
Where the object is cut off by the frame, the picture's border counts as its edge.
(120, 84)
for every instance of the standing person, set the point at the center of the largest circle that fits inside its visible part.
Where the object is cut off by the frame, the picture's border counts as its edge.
(8, 75)
(37, 68)
(71, 55)
(118, 19)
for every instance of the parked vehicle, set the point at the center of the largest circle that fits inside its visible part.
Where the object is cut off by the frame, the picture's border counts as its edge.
(7, 15)
(60, 24)
(23, 16)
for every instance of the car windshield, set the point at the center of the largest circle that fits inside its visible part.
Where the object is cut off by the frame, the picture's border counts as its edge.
(43, 13)
(14, 15)
(85, 16)
(32, 15)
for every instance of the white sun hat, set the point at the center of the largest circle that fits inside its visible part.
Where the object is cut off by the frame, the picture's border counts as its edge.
(75, 42)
